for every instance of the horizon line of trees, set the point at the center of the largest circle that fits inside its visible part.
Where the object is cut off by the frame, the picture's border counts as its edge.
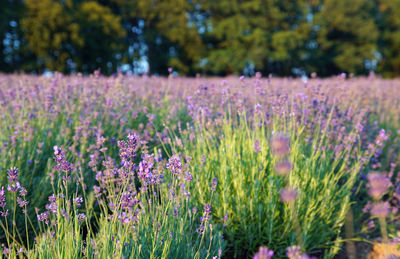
(213, 37)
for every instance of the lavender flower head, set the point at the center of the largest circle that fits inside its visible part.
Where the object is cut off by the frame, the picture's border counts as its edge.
(256, 146)
(280, 145)
(288, 195)
(283, 168)
(378, 185)
(12, 175)
(175, 165)
(214, 183)
(145, 168)
(2, 197)
(382, 137)
(294, 252)
(380, 209)
(263, 253)
(62, 164)
(127, 149)
(207, 208)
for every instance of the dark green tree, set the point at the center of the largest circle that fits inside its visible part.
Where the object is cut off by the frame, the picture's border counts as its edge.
(388, 21)
(10, 36)
(266, 34)
(67, 36)
(170, 36)
(344, 37)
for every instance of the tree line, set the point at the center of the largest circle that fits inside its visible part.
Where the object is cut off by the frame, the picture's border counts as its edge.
(214, 37)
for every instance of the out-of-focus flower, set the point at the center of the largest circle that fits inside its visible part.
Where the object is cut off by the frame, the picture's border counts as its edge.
(378, 185)
(288, 195)
(280, 145)
(207, 208)
(384, 251)
(214, 183)
(263, 253)
(294, 252)
(256, 146)
(283, 168)
(380, 209)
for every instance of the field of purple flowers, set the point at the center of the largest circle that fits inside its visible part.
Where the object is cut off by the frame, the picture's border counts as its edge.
(145, 167)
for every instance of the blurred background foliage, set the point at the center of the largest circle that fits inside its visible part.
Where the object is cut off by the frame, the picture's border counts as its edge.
(212, 37)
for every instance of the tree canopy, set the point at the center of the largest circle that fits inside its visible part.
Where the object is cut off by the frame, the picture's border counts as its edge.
(215, 37)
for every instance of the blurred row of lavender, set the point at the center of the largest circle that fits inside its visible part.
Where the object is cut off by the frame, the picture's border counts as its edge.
(143, 167)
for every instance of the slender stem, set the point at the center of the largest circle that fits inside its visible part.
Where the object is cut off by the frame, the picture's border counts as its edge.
(297, 228)
(382, 223)
(349, 230)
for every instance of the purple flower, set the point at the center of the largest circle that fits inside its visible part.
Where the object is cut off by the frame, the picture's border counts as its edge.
(4, 213)
(81, 217)
(225, 220)
(207, 208)
(2, 197)
(257, 108)
(21, 202)
(43, 217)
(378, 185)
(283, 168)
(13, 187)
(256, 146)
(145, 168)
(12, 175)
(62, 164)
(78, 201)
(127, 149)
(280, 145)
(174, 165)
(288, 195)
(382, 137)
(214, 183)
(263, 253)
(52, 198)
(380, 209)
(23, 191)
(294, 252)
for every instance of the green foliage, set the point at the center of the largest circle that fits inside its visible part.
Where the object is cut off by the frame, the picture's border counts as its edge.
(170, 35)
(389, 24)
(248, 183)
(346, 36)
(85, 35)
(213, 37)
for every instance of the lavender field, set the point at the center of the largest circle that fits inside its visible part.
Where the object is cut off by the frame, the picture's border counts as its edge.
(146, 167)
